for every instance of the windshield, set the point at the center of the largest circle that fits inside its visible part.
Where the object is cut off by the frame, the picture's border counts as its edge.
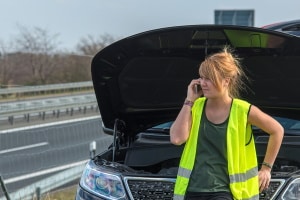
(288, 124)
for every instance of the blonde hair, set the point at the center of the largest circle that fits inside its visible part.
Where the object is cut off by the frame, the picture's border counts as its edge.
(224, 65)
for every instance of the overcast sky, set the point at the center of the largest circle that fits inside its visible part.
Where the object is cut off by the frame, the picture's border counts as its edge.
(74, 19)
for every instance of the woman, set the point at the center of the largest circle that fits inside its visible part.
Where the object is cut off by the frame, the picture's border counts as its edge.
(219, 159)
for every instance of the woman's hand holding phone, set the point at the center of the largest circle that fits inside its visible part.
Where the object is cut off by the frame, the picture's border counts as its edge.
(194, 90)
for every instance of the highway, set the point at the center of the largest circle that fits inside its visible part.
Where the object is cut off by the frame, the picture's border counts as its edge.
(36, 152)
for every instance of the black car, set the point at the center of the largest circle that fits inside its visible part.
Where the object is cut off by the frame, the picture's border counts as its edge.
(140, 84)
(290, 27)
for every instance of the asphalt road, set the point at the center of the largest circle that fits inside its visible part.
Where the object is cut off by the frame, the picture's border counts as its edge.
(26, 155)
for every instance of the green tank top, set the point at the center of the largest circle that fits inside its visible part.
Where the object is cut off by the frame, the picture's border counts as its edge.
(210, 172)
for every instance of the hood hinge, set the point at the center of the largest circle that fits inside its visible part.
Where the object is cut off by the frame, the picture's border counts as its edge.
(118, 126)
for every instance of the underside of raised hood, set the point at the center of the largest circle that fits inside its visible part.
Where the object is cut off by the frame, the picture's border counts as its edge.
(142, 80)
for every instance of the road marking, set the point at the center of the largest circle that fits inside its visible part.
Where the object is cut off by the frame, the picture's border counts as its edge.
(23, 147)
(47, 171)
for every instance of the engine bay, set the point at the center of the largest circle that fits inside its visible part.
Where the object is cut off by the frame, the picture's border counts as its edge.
(154, 154)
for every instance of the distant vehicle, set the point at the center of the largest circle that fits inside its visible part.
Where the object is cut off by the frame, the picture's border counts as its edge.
(291, 27)
(140, 84)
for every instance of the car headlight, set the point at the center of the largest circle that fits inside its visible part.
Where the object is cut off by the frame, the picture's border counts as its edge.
(102, 184)
(292, 192)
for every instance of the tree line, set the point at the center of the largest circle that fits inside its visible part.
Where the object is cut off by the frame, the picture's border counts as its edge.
(37, 60)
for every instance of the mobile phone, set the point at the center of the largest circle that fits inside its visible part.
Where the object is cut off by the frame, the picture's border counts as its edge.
(197, 88)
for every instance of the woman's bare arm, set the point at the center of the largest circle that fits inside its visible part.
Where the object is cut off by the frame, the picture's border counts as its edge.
(275, 130)
(180, 129)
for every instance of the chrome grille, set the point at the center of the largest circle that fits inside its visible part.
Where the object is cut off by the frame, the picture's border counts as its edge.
(159, 188)
(150, 188)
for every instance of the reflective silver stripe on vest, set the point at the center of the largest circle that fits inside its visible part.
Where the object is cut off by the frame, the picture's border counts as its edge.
(178, 197)
(243, 176)
(186, 173)
(256, 197)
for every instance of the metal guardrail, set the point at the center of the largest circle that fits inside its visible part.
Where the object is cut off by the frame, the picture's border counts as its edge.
(27, 89)
(8, 108)
(42, 109)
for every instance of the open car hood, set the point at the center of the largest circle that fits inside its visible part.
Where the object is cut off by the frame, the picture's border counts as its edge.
(142, 80)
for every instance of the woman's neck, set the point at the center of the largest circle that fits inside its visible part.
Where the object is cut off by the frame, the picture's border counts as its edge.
(217, 110)
(219, 101)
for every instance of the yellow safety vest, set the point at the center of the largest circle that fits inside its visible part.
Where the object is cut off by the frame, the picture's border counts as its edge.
(241, 153)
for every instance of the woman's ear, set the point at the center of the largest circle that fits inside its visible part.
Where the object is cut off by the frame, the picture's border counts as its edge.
(226, 82)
